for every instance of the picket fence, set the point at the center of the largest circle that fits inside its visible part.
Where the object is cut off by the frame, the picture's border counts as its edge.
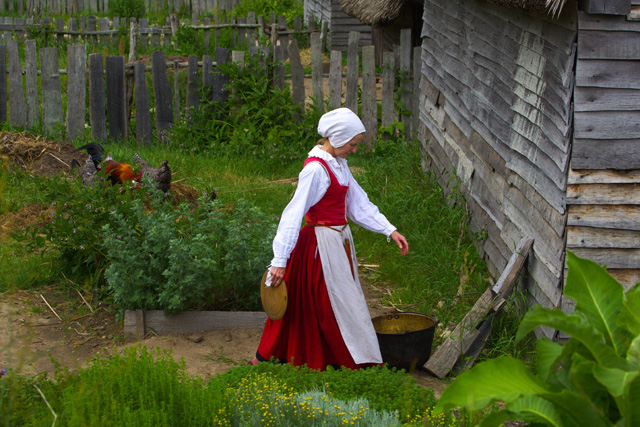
(112, 88)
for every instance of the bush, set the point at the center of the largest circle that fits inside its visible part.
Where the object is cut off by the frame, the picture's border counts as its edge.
(190, 257)
(128, 8)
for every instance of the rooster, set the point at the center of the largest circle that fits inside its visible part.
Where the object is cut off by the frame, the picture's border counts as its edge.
(119, 172)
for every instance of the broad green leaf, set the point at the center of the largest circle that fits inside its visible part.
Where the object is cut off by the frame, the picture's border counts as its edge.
(548, 356)
(579, 410)
(585, 384)
(633, 354)
(632, 415)
(494, 419)
(615, 380)
(575, 325)
(535, 408)
(629, 317)
(504, 379)
(597, 295)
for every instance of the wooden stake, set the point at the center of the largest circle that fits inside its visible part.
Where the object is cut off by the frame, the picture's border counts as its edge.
(84, 300)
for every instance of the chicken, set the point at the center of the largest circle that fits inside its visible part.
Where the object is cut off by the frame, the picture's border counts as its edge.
(161, 174)
(87, 172)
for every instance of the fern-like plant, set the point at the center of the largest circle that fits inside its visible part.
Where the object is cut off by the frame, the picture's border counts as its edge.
(592, 380)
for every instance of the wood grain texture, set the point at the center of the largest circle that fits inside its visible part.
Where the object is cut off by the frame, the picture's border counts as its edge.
(162, 95)
(369, 97)
(623, 217)
(97, 101)
(31, 85)
(144, 133)
(353, 64)
(316, 71)
(76, 90)
(142, 321)
(606, 154)
(51, 88)
(116, 97)
(17, 105)
(335, 79)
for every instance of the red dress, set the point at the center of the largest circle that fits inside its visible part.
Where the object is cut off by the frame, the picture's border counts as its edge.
(308, 332)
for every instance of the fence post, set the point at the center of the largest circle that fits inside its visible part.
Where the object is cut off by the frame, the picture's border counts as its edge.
(104, 26)
(278, 70)
(335, 80)
(143, 28)
(31, 83)
(59, 29)
(144, 133)
(51, 88)
(316, 71)
(417, 64)
(73, 26)
(116, 105)
(92, 26)
(206, 35)
(369, 99)
(193, 86)
(7, 33)
(324, 31)
(17, 107)
(207, 78)
(220, 80)
(388, 87)
(251, 32)
(97, 98)
(284, 38)
(297, 76)
(242, 33)
(176, 90)
(156, 30)
(174, 27)
(311, 25)
(133, 41)
(405, 69)
(3, 83)
(76, 90)
(351, 100)
(162, 94)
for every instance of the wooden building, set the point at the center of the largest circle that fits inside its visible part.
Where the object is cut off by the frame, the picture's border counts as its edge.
(538, 116)
(340, 24)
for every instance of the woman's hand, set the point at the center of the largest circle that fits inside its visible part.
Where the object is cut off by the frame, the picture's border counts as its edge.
(277, 275)
(401, 241)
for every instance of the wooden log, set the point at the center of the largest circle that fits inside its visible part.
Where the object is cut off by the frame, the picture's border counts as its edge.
(116, 97)
(193, 85)
(17, 106)
(388, 88)
(144, 132)
(335, 80)
(220, 79)
(351, 100)
(31, 83)
(508, 277)
(162, 94)
(3, 83)
(316, 71)
(297, 76)
(76, 90)
(97, 98)
(369, 98)
(138, 322)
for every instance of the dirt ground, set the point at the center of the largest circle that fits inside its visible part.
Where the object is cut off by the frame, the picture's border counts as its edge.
(50, 326)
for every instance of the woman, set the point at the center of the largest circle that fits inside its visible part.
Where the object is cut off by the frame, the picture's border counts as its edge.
(327, 321)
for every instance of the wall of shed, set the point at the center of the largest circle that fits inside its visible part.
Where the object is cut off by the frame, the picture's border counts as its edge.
(496, 112)
(603, 197)
(340, 24)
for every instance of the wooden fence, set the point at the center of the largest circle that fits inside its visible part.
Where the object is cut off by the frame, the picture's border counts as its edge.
(71, 7)
(110, 88)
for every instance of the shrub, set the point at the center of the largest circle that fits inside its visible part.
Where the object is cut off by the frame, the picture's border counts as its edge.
(129, 8)
(592, 380)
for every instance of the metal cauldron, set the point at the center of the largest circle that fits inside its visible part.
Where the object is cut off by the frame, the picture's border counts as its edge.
(405, 338)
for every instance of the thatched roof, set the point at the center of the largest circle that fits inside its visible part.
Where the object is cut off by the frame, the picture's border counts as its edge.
(380, 12)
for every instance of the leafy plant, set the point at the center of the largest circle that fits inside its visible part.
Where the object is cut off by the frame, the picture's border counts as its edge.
(592, 380)
(129, 8)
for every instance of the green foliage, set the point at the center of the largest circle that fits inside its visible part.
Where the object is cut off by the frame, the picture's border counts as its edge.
(187, 257)
(139, 387)
(593, 380)
(287, 8)
(258, 120)
(129, 8)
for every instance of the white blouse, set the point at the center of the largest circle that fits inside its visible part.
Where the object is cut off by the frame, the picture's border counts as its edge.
(313, 182)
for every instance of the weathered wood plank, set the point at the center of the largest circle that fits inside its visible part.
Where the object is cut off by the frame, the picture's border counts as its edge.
(608, 45)
(369, 97)
(51, 88)
(144, 134)
(388, 88)
(116, 97)
(17, 105)
(278, 70)
(162, 94)
(351, 98)
(612, 258)
(590, 237)
(297, 75)
(606, 99)
(405, 69)
(627, 277)
(3, 83)
(507, 279)
(335, 80)
(191, 321)
(97, 100)
(220, 79)
(607, 73)
(622, 217)
(613, 7)
(603, 176)
(615, 125)
(446, 355)
(193, 86)
(76, 90)
(31, 84)
(606, 154)
(603, 194)
(605, 22)
(316, 71)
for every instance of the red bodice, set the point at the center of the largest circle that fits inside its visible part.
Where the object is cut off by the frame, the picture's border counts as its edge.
(332, 208)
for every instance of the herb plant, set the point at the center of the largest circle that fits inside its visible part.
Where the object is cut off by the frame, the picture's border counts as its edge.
(592, 380)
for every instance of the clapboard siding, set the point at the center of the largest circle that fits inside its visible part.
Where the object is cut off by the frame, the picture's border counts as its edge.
(604, 179)
(319, 9)
(340, 26)
(496, 109)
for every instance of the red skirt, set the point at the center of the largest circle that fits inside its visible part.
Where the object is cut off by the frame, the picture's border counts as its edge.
(308, 332)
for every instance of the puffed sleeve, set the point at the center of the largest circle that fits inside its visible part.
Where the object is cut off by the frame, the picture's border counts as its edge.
(313, 183)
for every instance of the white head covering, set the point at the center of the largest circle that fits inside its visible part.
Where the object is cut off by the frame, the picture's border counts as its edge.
(340, 126)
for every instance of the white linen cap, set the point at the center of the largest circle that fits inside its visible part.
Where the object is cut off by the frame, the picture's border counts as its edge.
(340, 126)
